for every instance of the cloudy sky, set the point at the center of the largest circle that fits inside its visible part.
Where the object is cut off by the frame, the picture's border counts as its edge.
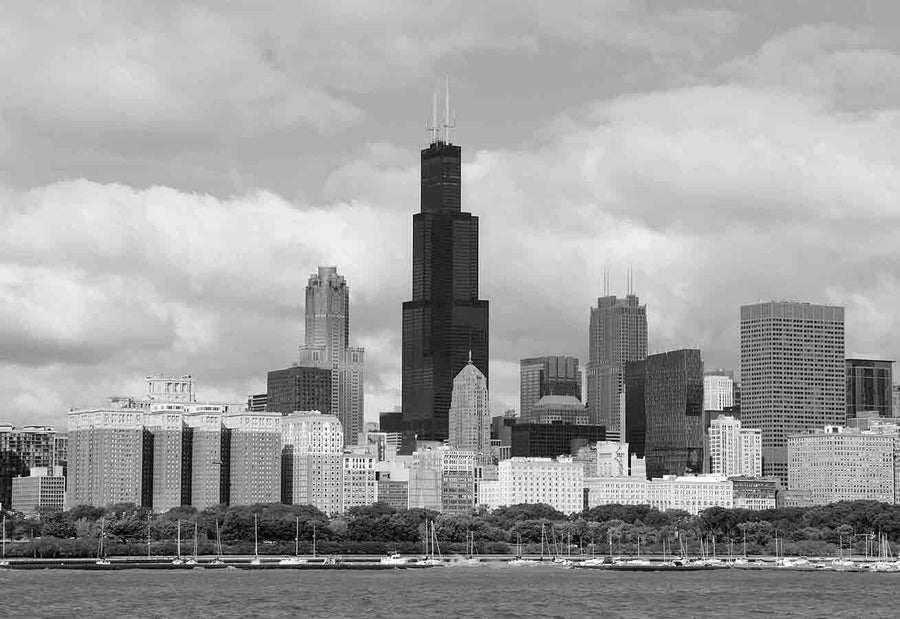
(171, 173)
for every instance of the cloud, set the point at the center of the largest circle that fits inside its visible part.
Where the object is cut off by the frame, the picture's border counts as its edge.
(773, 175)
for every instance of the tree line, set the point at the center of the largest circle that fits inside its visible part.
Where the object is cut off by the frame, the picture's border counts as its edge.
(378, 528)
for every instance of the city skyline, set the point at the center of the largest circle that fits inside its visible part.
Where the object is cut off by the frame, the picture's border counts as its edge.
(175, 236)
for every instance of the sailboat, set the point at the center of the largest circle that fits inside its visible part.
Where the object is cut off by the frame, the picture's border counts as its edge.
(471, 557)
(3, 561)
(178, 560)
(193, 560)
(296, 559)
(255, 560)
(435, 557)
(101, 551)
(218, 560)
(518, 561)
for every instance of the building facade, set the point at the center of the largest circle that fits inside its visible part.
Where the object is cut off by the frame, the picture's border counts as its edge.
(617, 334)
(470, 412)
(550, 440)
(358, 484)
(842, 464)
(558, 483)
(44, 489)
(673, 402)
(543, 376)
(22, 449)
(557, 409)
(105, 457)
(635, 433)
(254, 456)
(445, 322)
(734, 450)
(313, 461)
(869, 387)
(718, 391)
(298, 388)
(793, 374)
(690, 493)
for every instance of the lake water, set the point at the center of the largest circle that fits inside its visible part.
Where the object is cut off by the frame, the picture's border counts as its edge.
(471, 592)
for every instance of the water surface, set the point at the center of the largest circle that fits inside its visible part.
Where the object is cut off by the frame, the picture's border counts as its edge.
(472, 592)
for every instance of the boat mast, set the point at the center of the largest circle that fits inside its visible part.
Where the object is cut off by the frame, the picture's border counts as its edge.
(297, 537)
(314, 540)
(255, 537)
(148, 535)
(178, 542)
(195, 540)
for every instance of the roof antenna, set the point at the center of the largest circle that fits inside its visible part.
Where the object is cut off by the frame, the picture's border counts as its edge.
(448, 123)
(433, 128)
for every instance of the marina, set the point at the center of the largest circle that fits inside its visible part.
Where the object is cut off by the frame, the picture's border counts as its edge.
(418, 562)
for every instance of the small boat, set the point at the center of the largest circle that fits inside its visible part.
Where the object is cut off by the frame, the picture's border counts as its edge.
(395, 558)
(434, 558)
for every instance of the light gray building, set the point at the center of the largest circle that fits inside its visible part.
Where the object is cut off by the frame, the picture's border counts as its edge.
(793, 374)
(617, 334)
(327, 345)
(470, 412)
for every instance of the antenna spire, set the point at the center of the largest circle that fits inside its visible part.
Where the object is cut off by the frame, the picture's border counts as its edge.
(433, 128)
(449, 122)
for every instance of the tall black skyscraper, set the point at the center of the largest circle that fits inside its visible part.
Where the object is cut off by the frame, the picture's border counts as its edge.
(445, 318)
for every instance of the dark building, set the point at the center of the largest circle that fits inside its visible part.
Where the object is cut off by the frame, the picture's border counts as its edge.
(869, 383)
(552, 375)
(299, 388)
(549, 440)
(257, 403)
(390, 421)
(673, 405)
(445, 318)
(635, 417)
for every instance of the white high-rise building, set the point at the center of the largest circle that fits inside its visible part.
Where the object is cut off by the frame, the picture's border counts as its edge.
(470, 413)
(558, 483)
(718, 392)
(312, 460)
(254, 456)
(733, 450)
(327, 345)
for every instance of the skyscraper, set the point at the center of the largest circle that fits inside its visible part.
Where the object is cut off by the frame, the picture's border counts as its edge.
(470, 415)
(869, 383)
(445, 319)
(793, 375)
(673, 403)
(618, 333)
(328, 312)
(327, 346)
(552, 375)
